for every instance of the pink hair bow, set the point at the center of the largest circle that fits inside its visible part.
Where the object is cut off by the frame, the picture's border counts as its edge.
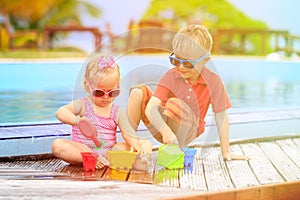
(106, 62)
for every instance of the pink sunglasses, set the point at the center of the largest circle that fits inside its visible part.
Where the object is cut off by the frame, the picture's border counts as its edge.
(100, 93)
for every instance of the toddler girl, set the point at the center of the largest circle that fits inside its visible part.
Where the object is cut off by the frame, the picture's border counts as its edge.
(102, 83)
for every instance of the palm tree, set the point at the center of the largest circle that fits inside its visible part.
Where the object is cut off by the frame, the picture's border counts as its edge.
(28, 14)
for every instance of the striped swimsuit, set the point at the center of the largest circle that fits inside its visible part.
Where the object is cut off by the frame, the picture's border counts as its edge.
(106, 127)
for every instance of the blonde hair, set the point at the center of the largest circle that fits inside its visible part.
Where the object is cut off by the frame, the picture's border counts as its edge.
(192, 38)
(95, 71)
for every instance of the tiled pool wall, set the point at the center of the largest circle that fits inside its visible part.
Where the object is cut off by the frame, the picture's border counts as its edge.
(28, 146)
(30, 139)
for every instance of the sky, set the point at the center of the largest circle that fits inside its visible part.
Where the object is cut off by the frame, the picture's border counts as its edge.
(278, 14)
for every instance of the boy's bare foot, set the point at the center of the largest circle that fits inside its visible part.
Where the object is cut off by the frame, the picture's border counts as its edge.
(142, 162)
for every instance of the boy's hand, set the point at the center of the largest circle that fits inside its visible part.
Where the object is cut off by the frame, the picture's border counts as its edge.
(169, 138)
(135, 145)
(230, 156)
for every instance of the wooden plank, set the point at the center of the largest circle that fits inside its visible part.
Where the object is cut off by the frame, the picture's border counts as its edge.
(144, 176)
(27, 173)
(116, 174)
(24, 164)
(215, 171)
(166, 177)
(193, 179)
(287, 191)
(286, 167)
(290, 149)
(88, 190)
(297, 142)
(50, 165)
(277, 191)
(138, 176)
(47, 165)
(261, 165)
(240, 172)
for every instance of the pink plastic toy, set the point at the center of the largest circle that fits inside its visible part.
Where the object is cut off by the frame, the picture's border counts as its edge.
(89, 131)
(89, 161)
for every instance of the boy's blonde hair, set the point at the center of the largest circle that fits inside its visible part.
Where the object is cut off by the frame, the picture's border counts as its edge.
(192, 38)
(99, 67)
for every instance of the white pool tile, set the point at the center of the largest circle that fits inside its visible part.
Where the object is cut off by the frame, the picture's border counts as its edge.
(9, 147)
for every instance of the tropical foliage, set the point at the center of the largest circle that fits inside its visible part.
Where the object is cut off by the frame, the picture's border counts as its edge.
(24, 15)
(28, 14)
(211, 13)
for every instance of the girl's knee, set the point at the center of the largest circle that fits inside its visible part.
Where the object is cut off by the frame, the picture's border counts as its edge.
(121, 146)
(57, 146)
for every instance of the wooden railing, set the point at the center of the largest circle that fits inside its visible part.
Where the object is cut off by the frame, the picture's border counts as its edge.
(234, 41)
(51, 30)
(150, 37)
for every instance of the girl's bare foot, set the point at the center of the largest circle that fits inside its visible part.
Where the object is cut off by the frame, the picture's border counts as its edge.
(99, 165)
(101, 162)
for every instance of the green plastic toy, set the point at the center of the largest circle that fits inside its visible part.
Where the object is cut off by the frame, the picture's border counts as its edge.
(170, 156)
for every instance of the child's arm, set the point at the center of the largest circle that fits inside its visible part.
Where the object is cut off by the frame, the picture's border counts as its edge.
(157, 121)
(222, 123)
(68, 113)
(128, 133)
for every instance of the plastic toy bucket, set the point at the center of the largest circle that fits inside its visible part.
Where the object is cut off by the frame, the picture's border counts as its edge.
(170, 156)
(189, 154)
(121, 159)
(89, 161)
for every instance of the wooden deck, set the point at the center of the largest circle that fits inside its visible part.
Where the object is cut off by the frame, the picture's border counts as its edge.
(275, 166)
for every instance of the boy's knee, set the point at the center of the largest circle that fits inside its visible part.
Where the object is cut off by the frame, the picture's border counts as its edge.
(140, 93)
(136, 94)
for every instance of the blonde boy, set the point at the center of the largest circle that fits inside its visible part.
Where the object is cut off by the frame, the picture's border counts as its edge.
(175, 112)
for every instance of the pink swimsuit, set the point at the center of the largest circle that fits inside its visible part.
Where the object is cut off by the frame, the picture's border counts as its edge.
(106, 127)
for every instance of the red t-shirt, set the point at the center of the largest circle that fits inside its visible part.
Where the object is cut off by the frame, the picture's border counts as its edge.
(208, 89)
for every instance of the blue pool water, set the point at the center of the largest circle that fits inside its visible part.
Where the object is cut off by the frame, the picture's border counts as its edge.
(33, 91)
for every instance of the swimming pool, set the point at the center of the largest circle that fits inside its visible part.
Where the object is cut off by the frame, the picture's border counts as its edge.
(31, 91)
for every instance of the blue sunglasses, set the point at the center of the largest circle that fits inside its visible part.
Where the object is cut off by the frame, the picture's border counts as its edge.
(189, 64)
